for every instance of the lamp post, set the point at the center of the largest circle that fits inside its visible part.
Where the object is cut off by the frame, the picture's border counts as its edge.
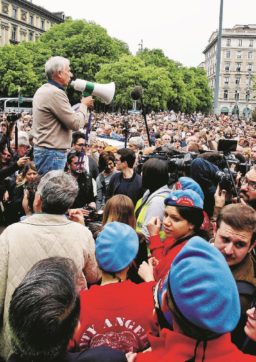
(218, 59)
(248, 96)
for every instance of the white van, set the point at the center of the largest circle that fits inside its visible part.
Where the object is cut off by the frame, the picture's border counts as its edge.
(16, 105)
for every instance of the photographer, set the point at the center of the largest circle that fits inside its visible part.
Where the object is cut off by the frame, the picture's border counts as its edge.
(85, 194)
(13, 207)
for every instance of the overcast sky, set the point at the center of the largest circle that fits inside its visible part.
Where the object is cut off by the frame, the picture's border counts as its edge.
(181, 28)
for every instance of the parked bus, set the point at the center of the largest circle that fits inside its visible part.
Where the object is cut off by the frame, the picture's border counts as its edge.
(16, 105)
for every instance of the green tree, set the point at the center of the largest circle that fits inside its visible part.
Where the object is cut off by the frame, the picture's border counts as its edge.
(131, 71)
(16, 70)
(95, 56)
(86, 44)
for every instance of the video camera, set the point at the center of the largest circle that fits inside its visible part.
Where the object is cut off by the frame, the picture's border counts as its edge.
(178, 162)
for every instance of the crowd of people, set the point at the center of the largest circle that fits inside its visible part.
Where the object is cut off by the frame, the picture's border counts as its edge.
(121, 245)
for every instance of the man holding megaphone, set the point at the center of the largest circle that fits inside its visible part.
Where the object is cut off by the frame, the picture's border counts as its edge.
(53, 117)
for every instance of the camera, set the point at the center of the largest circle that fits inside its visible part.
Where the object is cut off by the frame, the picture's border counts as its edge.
(223, 178)
(13, 117)
(94, 215)
(178, 162)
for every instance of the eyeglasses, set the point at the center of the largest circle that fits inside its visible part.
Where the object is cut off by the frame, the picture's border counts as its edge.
(251, 184)
(81, 144)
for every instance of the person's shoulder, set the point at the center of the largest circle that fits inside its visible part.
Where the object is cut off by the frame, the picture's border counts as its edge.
(116, 175)
(92, 160)
(103, 354)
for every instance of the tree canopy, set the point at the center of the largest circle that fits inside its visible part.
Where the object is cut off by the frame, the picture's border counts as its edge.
(95, 56)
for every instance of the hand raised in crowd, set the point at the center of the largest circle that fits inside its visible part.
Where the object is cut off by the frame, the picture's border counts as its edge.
(88, 102)
(6, 196)
(76, 215)
(22, 161)
(250, 327)
(154, 226)
(146, 270)
(220, 197)
(131, 356)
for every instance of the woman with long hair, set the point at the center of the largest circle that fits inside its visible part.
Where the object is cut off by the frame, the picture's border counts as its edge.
(107, 169)
(14, 208)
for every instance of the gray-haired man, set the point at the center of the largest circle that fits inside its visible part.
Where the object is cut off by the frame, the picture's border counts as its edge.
(53, 117)
(45, 234)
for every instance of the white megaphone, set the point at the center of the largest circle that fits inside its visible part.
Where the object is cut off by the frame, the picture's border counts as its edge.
(105, 92)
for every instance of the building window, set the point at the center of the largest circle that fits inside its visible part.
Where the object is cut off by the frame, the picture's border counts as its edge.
(31, 19)
(31, 36)
(239, 54)
(14, 13)
(249, 67)
(247, 95)
(226, 80)
(237, 81)
(42, 24)
(225, 95)
(236, 95)
(251, 43)
(240, 42)
(248, 80)
(24, 16)
(227, 66)
(228, 43)
(14, 33)
(228, 54)
(238, 67)
(249, 55)
(5, 8)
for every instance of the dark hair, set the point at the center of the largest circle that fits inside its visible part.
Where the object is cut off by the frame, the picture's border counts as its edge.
(104, 159)
(76, 136)
(71, 155)
(194, 216)
(154, 174)
(239, 217)
(127, 155)
(44, 310)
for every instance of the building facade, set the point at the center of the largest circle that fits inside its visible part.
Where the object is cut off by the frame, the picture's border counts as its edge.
(237, 69)
(21, 20)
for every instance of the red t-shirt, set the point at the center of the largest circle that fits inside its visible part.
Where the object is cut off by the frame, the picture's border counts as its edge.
(116, 315)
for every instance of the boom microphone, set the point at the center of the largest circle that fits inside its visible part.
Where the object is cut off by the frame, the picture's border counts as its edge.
(137, 92)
